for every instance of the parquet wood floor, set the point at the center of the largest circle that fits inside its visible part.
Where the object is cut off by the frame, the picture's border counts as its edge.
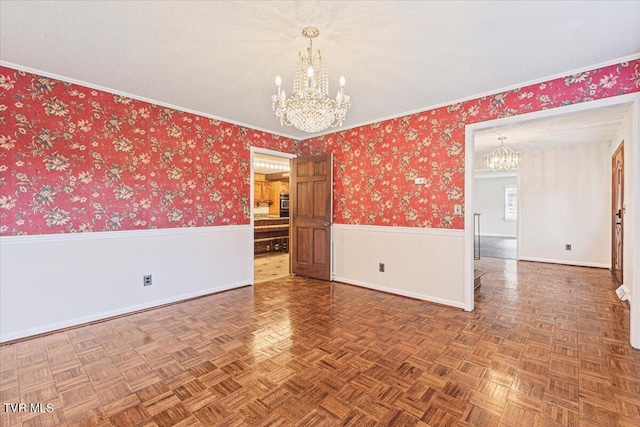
(546, 346)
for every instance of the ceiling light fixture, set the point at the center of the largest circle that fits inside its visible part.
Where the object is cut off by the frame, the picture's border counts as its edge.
(502, 158)
(310, 109)
(271, 165)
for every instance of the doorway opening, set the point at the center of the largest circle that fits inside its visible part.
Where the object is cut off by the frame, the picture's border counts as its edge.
(270, 171)
(560, 204)
(496, 210)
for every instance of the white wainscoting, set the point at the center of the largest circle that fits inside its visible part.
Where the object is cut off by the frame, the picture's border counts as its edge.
(426, 264)
(50, 282)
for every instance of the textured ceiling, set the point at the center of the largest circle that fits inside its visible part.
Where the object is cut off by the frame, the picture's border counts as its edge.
(585, 127)
(220, 58)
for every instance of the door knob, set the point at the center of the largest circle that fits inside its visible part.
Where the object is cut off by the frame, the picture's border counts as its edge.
(326, 224)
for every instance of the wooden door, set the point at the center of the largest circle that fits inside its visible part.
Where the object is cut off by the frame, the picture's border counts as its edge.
(617, 211)
(310, 197)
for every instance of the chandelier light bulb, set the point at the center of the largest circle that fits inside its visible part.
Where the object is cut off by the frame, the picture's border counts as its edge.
(310, 72)
(278, 80)
(342, 81)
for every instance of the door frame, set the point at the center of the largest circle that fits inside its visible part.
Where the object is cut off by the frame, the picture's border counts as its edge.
(493, 175)
(633, 208)
(258, 150)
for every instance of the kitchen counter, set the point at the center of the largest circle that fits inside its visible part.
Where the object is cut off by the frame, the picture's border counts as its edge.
(270, 220)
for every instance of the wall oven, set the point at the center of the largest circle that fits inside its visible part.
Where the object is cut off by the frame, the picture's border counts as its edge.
(284, 205)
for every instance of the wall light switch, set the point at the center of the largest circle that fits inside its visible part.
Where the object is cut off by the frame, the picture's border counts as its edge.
(420, 181)
(457, 209)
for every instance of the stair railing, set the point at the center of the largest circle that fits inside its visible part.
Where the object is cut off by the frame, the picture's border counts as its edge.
(476, 236)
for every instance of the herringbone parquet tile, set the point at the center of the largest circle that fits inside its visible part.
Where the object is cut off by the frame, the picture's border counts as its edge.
(546, 346)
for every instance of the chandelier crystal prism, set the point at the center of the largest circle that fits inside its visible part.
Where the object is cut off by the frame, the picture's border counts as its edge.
(502, 158)
(309, 108)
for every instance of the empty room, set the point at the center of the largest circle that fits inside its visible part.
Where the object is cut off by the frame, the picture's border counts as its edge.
(372, 213)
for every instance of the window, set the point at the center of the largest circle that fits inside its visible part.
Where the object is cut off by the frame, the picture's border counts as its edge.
(510, 202)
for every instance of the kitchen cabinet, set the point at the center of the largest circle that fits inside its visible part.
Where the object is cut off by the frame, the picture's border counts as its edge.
(271, 235)
(267, 189)
(262, 192)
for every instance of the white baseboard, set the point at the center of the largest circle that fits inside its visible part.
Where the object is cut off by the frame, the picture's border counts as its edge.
(498, 235)
(566, 262)
(399, 292)
(113, 313)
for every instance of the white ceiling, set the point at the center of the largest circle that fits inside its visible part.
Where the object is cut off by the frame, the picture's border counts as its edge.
(220, 58)
(584, 127)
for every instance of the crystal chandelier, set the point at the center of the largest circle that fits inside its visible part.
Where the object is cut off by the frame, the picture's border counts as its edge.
(310, 109)
(502, 158)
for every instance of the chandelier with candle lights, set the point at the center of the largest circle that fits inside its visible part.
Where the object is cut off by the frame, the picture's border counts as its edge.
(309, 108)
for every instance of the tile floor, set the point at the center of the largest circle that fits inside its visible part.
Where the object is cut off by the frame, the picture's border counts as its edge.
(498, 247)
(270, 266)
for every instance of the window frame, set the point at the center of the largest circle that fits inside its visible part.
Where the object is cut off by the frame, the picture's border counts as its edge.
(507, 212)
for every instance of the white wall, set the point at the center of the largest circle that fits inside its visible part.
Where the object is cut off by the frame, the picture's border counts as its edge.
(565, 198)
(489, 202)
(421, 263)
(55, 281)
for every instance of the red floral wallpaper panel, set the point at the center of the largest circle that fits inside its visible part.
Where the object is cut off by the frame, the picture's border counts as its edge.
(73, 159)
(375, 165)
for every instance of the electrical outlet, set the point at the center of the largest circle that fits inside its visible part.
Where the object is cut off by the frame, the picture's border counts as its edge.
(457, 209)
(420, 181)
(567, 247)
(146, 280)
(381, 267)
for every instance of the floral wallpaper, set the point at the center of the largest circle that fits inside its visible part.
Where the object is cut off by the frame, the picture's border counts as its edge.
(375, 165)
(73, 159)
